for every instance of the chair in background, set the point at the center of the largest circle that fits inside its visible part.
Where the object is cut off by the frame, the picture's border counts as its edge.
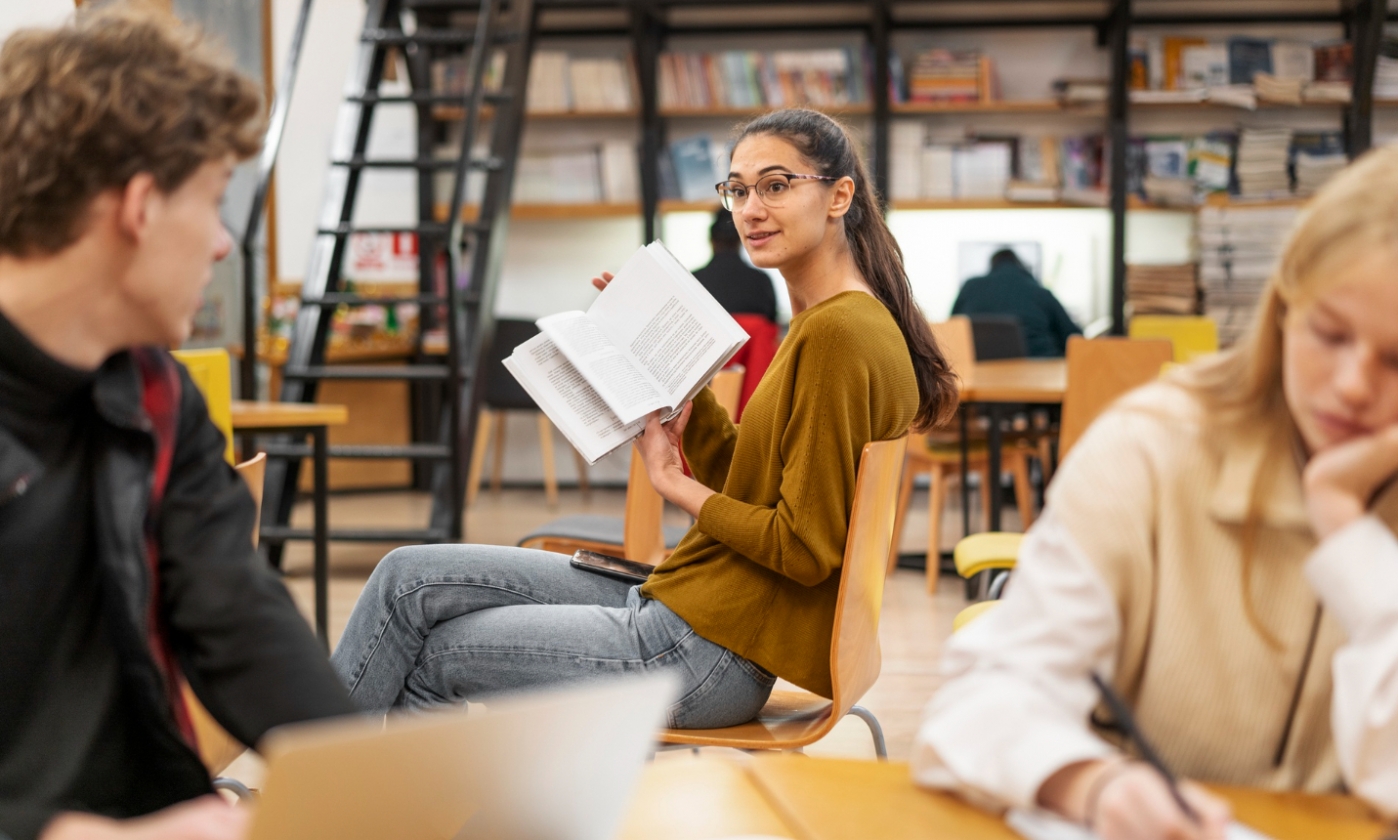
(211, 371)
(504, 393)
(1191, 335)
(997, 337)
(217, 748)
(794, 719)
(640, 534)
(1099, 371)
(755, 356)
(938, 455)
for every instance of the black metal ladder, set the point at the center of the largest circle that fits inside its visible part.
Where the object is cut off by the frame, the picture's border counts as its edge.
(446, 389)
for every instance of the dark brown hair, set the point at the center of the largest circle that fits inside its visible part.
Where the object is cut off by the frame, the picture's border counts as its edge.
(827, 146)
(86, 107)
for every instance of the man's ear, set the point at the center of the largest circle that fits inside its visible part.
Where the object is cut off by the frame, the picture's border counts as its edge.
(841, 197)
(134, 208)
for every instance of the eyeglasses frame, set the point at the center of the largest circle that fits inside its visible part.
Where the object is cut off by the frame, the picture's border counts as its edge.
(718, 188)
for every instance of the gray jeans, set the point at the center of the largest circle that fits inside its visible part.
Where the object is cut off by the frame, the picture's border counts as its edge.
(442, 624)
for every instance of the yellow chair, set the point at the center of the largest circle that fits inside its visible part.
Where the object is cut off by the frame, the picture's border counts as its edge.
(211, 371)
(971, 613)
(793, 719)
(1191, 335)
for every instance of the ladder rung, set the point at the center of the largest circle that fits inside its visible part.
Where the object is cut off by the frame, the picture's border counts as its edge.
(443, 37)
(359, 162)
(414, 451)
(331, 299)
(279, 534)
(424, 229)
(436, 373)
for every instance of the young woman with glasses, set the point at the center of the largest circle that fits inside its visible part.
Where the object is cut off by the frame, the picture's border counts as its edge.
(749, 594)
(1220, 547)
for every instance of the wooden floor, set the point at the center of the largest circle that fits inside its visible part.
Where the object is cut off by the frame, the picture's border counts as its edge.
(913, 628)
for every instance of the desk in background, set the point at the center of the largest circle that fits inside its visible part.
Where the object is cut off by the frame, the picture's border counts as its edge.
(831, 799)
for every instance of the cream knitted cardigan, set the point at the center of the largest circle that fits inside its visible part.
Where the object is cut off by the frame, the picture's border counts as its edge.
(1136, 570)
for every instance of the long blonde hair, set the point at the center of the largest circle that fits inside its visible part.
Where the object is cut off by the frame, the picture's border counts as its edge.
(1353, 215)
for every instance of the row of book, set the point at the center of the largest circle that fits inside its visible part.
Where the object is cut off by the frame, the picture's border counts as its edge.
(931, 166)
(607, 173)
(1187, 63)
(1252, 164)
(762, 79)
(558, 82)
(1238, 250)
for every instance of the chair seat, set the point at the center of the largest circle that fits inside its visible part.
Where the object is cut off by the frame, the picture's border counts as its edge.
(594, 528)
(790, 719)
(993, 550)
(970, 614)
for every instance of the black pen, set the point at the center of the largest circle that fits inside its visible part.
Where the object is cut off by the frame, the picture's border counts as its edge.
(1128, 723)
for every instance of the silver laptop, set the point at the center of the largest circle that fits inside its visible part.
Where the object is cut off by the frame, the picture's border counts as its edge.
(553, 766)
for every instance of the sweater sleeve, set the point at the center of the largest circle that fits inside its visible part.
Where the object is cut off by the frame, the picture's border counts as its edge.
(802, 536)
(708, 441)
(247, 652)
(1355, 573)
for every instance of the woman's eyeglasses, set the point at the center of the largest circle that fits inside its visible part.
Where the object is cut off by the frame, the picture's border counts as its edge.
(771, 189)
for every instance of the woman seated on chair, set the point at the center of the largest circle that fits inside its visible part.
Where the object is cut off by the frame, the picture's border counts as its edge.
(750, 592)
(1219, 547)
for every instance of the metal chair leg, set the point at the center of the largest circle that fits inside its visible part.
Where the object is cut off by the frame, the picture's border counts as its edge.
(880, 749)
(234, 787)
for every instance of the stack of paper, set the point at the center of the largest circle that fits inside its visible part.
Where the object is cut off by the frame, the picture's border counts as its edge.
(1275, 89)
(982, 170)
(1238, 249)
(1316, 156)
(1386, 71)
(1262, 162)
(1162, 289)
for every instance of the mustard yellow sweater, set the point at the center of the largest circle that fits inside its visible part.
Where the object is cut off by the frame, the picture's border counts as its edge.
(759, 572)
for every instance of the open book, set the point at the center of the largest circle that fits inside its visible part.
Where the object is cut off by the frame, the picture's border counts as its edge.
(649, 343)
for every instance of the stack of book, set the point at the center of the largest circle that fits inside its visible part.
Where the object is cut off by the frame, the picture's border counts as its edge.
(1162, 289)
(940, 75)
(1262, 162)
(1315, 158)
(1238, 249)
(1386, 70)
(560, 83)
(751, 79)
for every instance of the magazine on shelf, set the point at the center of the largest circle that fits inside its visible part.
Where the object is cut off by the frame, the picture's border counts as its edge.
(650, 342)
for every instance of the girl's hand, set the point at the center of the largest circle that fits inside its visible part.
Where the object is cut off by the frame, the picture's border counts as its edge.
(1340, 482)
(1128, 800)
(600, 283)
(206, 818)
(659, 445)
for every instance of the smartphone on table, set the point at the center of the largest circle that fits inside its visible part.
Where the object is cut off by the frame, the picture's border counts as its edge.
(613, 567)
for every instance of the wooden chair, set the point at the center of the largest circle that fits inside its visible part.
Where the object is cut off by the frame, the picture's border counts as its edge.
(793, 719)
(1099, 371)
(938, 456)
(218, 749)
(640, 534)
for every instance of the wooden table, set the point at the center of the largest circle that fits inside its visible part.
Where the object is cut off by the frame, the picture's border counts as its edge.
(831, 799)
(1034, 381)
(314, 421)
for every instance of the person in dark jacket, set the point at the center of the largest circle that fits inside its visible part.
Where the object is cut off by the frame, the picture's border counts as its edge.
(1009, 289)
(126, 563)
(738, 287)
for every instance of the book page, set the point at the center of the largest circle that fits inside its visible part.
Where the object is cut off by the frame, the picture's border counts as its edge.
(571, 403)
(655, 312)
(627, 387)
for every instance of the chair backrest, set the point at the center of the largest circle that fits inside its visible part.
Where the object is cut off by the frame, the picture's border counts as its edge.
(997, 337)
(728, 387)
(253, 472)
(1191, 335)
(854, 652)
(958, 345)
(502, 390)
(1099, 371)
(212, 373)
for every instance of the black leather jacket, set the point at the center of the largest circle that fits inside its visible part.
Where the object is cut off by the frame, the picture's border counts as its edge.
(245, 650)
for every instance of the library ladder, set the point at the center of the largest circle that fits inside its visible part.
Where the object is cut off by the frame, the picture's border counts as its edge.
(459, 302)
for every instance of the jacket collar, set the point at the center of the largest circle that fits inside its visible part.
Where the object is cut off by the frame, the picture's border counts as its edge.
(1248, 456)
(117, 393)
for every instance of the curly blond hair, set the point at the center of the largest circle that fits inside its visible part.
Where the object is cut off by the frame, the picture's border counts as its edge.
(89, 105)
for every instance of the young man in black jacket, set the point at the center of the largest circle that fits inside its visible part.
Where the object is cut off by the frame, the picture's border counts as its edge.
(125, 553)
